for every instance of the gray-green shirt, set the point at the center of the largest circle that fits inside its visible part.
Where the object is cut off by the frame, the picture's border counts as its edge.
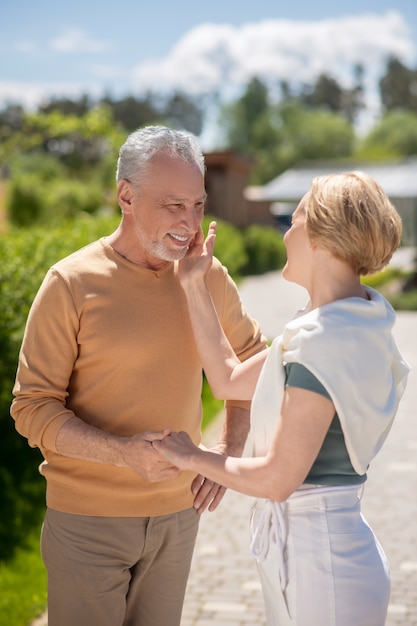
(332, 465)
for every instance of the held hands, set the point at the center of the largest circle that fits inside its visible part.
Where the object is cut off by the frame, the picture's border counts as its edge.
(141, 456)
(181, 451)
(196, 264)
(176, 448)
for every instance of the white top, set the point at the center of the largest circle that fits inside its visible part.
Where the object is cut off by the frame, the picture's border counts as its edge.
(348, 345)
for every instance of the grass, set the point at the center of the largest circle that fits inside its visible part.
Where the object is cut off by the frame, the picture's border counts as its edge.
(23, 585)
(398, 287)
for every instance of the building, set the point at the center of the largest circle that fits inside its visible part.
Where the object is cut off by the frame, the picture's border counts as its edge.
(226, 179)
(281, 196)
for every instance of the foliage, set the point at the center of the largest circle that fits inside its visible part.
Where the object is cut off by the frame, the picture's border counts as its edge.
(393, 136)
(329, 95)
(278, 136)
(178, 109)
(397, 286)
(26, 255)
(78, 142)
(265, 250)
(230, 245)
(23, 585)
(398, 86)
(404, 300)
(31, 202)
(384, 277)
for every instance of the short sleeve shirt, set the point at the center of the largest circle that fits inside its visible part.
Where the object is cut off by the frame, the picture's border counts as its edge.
(332, 465)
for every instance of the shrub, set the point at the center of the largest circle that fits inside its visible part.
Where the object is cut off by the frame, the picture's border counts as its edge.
(230, 246)
(32, 201)
(25, 257)
(66, 198)
(25, 204)
(265, 249)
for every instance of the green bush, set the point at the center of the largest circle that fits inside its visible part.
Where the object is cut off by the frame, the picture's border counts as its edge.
(26, 203)
(265, 249)
(25, 257)
(230, 246)
(32, 201)
(384, 277)
(404, 300)
(66, 198)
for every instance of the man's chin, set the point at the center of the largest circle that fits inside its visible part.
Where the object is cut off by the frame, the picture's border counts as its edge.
(173, 255)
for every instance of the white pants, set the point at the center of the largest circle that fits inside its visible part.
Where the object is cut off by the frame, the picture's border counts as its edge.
(318, 560)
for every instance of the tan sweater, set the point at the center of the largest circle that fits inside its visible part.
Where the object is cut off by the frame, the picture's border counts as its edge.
(110, 342)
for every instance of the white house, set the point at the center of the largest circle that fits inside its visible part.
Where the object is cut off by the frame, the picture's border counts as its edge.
(397, 178)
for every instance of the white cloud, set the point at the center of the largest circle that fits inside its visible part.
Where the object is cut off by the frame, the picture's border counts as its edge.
(31, 94)
(223, 57)
(79, 41)
(213, 56)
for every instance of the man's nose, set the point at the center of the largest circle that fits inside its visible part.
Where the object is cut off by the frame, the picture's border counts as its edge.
(194, 218)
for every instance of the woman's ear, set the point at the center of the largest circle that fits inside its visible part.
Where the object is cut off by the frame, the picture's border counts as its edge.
(124, 196)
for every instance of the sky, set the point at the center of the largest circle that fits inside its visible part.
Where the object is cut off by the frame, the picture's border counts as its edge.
(54, 48)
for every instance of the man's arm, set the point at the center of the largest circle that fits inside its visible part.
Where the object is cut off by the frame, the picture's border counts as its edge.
(79, 440)
(40, 406)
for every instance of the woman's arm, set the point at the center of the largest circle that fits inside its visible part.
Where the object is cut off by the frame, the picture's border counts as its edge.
(228, 377)
(301, 428)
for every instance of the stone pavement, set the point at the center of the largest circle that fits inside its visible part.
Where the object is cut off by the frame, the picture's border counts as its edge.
(223, 587)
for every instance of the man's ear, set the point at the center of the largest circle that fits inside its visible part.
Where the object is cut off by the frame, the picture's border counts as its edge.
(124, 196)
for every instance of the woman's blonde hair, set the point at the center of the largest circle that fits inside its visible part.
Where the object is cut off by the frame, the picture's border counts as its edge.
(351, 216)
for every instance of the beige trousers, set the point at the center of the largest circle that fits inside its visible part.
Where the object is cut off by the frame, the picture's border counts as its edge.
(105, 571)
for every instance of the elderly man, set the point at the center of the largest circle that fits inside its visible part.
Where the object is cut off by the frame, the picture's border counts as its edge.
(108, 361)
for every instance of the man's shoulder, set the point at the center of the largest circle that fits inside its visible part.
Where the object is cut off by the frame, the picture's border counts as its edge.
(217, 268)
(82, 258)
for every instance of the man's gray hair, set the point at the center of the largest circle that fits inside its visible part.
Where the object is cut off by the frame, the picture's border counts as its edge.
(144, 143)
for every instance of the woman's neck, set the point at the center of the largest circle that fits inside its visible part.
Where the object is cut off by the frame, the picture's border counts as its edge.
(337, 281)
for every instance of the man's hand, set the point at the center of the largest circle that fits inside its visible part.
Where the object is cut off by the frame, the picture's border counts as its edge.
(143, 458)
(179, 448)
(231, 442)
(197, 262)
(208, 494)
(79, 440)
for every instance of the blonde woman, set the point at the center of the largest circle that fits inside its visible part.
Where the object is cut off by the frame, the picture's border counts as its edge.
(324, 398)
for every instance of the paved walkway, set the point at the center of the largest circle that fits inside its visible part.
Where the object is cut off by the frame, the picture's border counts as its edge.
(223, 587)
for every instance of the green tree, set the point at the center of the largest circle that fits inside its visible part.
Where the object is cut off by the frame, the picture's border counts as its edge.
(240, 119)
(183, 111)
(277, 136)
(79, 142)
(131, 112)
(398, 86)
(327, 93)
(67, 106)
(59, 165)
(394, 135)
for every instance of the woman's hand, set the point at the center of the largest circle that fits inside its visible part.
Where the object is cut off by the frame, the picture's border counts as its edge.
(177, 448)
(196, 264)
